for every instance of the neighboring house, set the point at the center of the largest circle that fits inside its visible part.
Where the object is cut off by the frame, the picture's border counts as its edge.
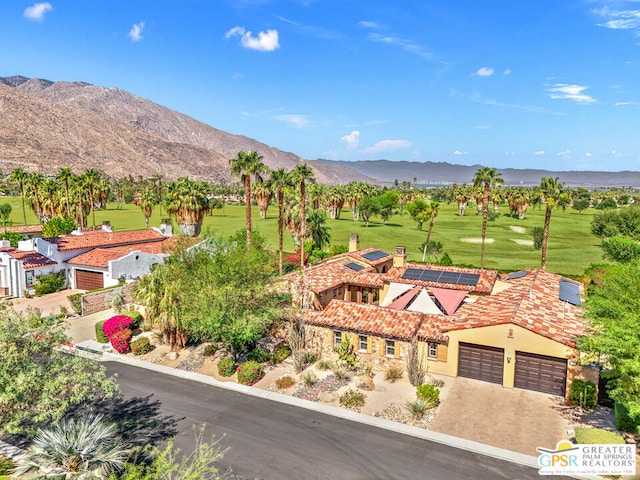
(517, 330)
(92, 259)
(19, 269)
(29, 231)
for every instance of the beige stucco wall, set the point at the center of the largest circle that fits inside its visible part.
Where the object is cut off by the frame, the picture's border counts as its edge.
(510, 337)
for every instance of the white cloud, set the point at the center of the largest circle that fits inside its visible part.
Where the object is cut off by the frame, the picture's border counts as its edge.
(570, 92)
(484, 72)
(352, 140)
(587, 154)
(37, 10)
(458, 153)
(565, 154)
(405, 44)
(619, 19)
(539, 152)
(367, 24)
(623, 104)
(386, 145)
(135, 34)
(507, 71)
(616, 154)
(264, 42)
(298, 121)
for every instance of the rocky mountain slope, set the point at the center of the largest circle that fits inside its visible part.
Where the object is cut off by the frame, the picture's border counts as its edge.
(46, 125)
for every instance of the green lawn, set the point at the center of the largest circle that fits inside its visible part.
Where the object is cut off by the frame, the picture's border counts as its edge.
(572, 247)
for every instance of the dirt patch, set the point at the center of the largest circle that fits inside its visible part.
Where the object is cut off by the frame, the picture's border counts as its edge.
(518, 229)
(476, 240)
(520, 241)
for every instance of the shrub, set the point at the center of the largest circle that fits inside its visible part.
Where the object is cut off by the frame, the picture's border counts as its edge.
(309, 379)
(346, 352)
(259, 355)
(115, 324)
(210, 350)
(353, 399)
(393, 373)
(587, 435)
(324, 364)
(627, 416)
(583, 393)
(310, 358)
(136, 319)
(6, 466)
(340, 372)
(226, 367)
(429, 394)
(120, 340)
(100, 336)
(281, 354)
(76, 302)
(416, 407)
(49, 283)
(285, 382)
(141, 346)
(249, 372)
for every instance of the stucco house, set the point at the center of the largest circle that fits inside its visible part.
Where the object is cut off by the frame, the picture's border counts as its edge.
(20, 268)
(517, 330)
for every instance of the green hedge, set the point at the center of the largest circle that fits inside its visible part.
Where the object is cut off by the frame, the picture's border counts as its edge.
(100, 336)
(75, 300)
(627, 416)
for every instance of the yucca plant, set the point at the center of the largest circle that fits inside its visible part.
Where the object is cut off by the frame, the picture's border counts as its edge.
(416, 407)
(75, 449)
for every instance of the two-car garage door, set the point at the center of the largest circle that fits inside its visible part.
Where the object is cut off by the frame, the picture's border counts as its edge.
(532, 372)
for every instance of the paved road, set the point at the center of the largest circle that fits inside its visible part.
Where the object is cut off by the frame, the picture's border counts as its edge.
(269, 440)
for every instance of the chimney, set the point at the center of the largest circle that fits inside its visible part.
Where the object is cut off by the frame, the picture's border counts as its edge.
(165, 227)
(354, 242)
(106, 226)
(400, 258)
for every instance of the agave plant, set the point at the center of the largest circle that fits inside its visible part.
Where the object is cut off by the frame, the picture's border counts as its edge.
(75, 449)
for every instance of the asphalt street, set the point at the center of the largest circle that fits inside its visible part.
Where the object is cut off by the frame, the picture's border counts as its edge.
(270, 440)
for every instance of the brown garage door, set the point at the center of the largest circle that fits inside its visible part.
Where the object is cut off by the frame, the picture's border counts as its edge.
(541, 373)
(86, 280)
(481, 362)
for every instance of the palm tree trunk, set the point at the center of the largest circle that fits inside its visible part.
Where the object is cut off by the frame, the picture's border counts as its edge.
(24, 210)
(426, 245)
(485, 208)
(545, 237)
(280, 227)
(247, 200)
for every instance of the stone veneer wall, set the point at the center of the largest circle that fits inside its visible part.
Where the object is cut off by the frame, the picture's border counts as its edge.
(94, 302)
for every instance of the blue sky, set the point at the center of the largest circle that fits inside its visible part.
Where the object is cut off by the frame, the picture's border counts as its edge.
(525, 84)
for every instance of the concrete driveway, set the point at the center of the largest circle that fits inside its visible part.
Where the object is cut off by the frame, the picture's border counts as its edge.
(47, 304)
(515, 419)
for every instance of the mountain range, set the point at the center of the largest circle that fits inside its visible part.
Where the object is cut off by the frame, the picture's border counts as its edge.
(47, 125)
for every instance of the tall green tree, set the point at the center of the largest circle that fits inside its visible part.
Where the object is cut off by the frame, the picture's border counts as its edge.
(301, 175)
(551, 189)
(148, 199)
(419, 211)
(433, 213)
(74, 449)
(19, 177)
(91, 179)
(487, 178)
(38, 381)
(246, 165)
(279, 181)
(188, 201)
(318, 229)
(65, 176)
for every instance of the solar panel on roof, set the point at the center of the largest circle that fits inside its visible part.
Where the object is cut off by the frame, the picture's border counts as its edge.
(375, 255)
(430, 275)
(520, 274)
(412, 274)
(354, 266)
(469, 279)
(449, 277)
(570, 291)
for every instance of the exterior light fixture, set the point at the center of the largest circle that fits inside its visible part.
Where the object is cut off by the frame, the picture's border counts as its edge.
(508, 357)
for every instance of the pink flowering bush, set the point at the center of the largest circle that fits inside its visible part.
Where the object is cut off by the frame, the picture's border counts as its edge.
(115, 324)
(120, 340)
(249, 372)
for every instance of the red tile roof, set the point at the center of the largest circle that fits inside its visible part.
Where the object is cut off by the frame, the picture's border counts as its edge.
(374, 320)
(102, 238)
(100, 257)
(30, 259)
(23, 229)
(533, 303)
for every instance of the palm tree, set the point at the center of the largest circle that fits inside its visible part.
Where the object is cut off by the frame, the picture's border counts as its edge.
(83, 449)
(147, 201)
(34, 195)
(19, 177)
(64, 176)
(462, 194)
(487, 178)
(551, 190)
(279, 180)
(245, 165)
(318, 230)
(262, 192)
(188, 200)
(433, 210)
(301, 174)
(91, 179)
(335, 201)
